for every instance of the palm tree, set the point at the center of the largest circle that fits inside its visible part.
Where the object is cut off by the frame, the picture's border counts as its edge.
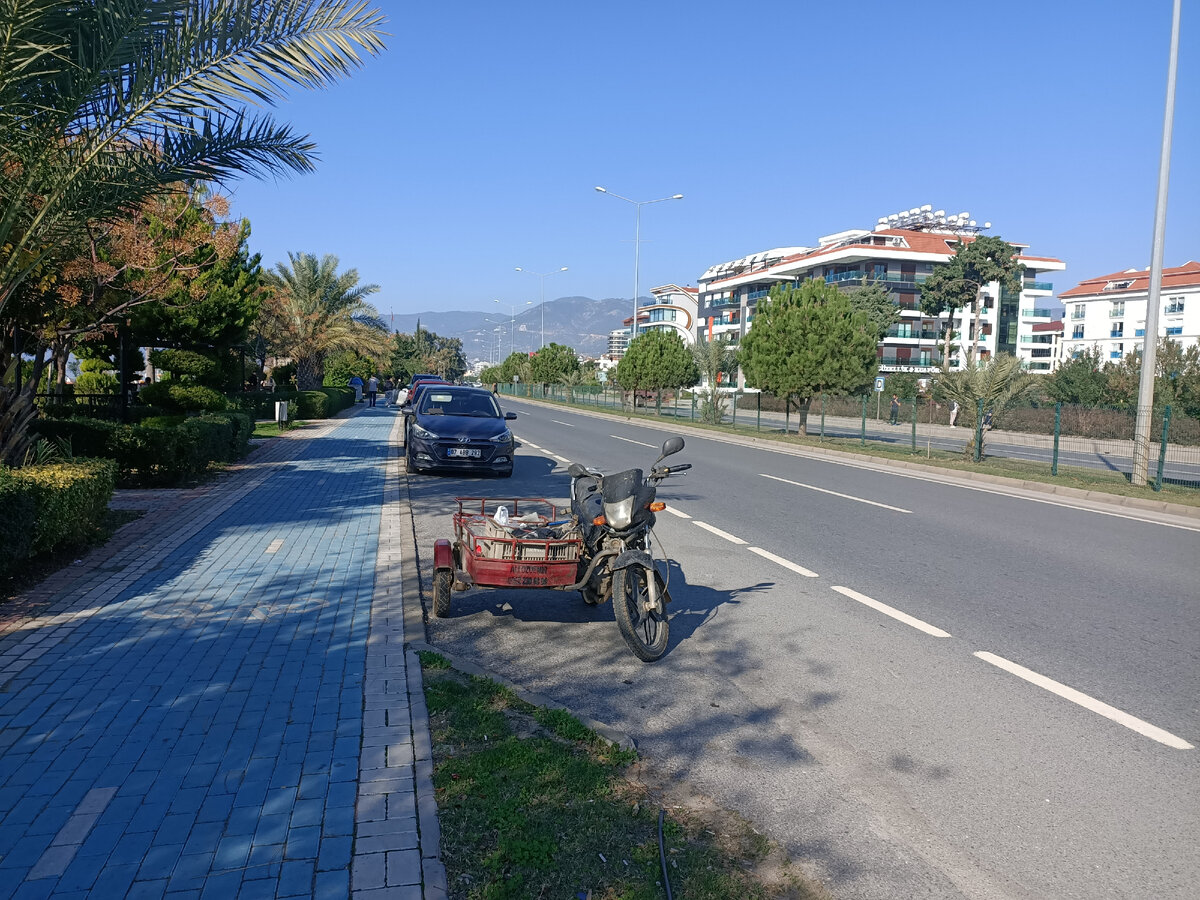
(106, 103)
(314, 311)
(999, 382)
(713, 359)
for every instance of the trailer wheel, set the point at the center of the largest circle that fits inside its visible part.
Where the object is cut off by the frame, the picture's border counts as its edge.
(441, 592)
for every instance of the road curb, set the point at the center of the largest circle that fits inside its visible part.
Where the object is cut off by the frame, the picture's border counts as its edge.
(933, 473)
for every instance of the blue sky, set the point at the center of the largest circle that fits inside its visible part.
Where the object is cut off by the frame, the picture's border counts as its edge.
(473, 144)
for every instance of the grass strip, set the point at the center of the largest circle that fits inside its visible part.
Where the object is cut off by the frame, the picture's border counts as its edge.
(533, 804)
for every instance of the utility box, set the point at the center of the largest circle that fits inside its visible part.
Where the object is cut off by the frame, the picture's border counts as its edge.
(281, 412)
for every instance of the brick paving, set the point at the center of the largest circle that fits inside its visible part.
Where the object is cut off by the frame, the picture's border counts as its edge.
(217, 703)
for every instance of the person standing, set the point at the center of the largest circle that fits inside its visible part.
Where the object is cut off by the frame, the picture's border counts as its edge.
(953, 412)
(372, 390)
(895, 420)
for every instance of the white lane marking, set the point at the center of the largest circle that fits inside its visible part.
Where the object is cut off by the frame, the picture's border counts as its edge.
(632, 441)
(678, 512)
(560, 458)
(892, 611)
(1090, 703)
(786, 563)
(733, 539)
(559, 422)
(275, 546)
(835, 493)
(531, 444)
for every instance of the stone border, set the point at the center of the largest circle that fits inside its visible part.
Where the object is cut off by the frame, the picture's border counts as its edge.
(387, 853)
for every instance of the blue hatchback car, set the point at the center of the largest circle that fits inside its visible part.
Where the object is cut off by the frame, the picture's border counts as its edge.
(460, 428)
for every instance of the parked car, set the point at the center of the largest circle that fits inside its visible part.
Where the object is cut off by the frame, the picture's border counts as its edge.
(458, 428)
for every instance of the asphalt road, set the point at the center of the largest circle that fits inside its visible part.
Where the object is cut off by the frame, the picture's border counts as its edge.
(895, 757)
(1073, 451)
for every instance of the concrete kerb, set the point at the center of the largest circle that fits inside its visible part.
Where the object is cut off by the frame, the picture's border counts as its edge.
(930, 473)
(395, 574)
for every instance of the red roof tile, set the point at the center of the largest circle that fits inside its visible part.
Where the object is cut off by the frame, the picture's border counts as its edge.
(1186, 275)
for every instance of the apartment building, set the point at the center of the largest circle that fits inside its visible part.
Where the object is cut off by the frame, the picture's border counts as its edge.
(1041, 349)
(1109, 312)
(898, 254)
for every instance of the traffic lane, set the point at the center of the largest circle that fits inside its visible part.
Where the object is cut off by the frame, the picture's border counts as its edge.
(1067, 634)
(792, 664)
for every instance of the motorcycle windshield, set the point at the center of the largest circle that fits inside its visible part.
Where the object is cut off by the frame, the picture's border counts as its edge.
(619, 485)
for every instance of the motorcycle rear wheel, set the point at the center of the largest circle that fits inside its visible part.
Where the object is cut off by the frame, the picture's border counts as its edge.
(645, 632)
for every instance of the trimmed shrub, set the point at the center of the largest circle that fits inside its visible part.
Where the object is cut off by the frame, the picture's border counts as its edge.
(18, 522)
(175, 395)
(70, 499)
(87, 437)
(261, 404)
(314, 405)
(185, 363)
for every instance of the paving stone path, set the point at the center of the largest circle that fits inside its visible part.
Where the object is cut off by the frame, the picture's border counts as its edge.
(216, 704)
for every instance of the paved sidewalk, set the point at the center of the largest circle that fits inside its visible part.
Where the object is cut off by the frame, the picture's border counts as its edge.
(218, 703)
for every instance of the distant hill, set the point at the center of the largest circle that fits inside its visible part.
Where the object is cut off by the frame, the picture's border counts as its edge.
(579, 322)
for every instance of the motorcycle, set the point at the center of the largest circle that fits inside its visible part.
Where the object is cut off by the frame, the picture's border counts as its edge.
(616, 514)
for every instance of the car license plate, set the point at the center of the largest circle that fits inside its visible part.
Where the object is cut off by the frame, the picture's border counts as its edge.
(468, 452)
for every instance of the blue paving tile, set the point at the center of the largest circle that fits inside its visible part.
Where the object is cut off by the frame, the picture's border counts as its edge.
(303, 843)
(296, 878)
(332, 885)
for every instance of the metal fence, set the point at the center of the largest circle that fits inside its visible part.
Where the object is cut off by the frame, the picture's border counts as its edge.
(1058, 440)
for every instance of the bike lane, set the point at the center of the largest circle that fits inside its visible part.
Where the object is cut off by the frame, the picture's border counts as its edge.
(208, 705)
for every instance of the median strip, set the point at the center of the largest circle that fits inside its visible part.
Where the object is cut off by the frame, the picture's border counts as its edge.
(733, 539)
(786, 563)
(891, 611)
(1089, 703)
(835, 493)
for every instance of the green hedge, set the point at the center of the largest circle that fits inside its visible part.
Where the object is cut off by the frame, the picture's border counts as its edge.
(162, 451)
(324, 403)
(52, 505)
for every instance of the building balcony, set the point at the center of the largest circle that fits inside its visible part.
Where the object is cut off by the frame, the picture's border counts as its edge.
(1036, 313)
(1037, 286)
(1116, 313)
(1117, 334)
(1037, 339)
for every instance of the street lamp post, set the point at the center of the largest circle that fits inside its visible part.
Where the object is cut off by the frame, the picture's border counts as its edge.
(543, 276)
(512, 331)
(637, 246)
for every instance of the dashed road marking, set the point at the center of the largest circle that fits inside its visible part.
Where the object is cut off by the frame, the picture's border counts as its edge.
(678, 513)
(892, 611)
(733, 539)
(835, 493)
(786, 563)
(559, 422)
(1090, 703)
(632, 441)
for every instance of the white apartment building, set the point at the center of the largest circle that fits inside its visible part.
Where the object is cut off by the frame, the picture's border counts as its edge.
(1109, 312)
(672, 310)
(898, 254)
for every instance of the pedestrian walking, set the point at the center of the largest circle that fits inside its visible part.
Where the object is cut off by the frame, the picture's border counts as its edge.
(953, 412)
(372, 390)
(357, 384)
(895, 420)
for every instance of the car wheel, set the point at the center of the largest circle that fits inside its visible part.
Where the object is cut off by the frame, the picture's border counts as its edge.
(410, 460)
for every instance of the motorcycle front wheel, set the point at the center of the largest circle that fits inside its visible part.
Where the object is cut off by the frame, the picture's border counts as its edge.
(644, 631)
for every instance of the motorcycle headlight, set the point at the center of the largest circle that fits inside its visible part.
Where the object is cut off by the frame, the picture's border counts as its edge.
(502, 438)
(619, 515)
(423, 434)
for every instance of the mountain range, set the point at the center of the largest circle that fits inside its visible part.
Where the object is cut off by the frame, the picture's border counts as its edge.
(578, 322)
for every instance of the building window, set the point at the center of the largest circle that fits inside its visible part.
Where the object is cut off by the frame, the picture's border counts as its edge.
(1139, 332)
(1178, 329)
(1117, 329)
(1078, 311)
(1118, 308)
(1118, 285)
(1077, 334)
(1174, 306)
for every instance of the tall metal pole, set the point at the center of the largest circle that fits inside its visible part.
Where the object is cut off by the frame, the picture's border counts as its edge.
(637, 248)
(1141, 434)
(637, 254)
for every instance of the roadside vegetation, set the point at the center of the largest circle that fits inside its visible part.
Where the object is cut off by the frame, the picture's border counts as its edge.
(533, 804)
